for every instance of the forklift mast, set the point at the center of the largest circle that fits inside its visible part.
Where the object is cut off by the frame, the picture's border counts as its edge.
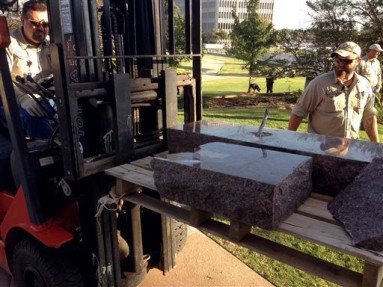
(116, 94)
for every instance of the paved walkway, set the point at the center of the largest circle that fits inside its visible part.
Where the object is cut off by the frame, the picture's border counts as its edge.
(204, 263)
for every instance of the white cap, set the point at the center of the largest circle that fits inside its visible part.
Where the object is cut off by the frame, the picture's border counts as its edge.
(376, 47)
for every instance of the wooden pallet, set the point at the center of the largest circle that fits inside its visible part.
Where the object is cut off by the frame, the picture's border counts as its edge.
(312, 222)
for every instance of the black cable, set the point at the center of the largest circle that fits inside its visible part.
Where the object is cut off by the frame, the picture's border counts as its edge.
(31, 93)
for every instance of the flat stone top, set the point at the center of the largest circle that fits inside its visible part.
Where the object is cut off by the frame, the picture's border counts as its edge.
(283, 140)
(266, 166)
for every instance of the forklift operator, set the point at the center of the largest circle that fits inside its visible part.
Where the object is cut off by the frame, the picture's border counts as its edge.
(29, 55)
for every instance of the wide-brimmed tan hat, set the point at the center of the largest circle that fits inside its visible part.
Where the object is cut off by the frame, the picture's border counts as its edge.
(376, 47)
(346, 49)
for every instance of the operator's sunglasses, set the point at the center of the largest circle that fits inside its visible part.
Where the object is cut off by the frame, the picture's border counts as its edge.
(344, 61)
(38, 23)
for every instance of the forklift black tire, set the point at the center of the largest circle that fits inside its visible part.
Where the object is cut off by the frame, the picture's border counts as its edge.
(180, 231)
(36, 265)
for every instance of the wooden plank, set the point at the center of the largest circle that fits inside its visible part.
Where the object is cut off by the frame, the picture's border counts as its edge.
(198, 216)
(159, 206)
(320, 196)
(134, 175)
(143, 96)
(317, 209)
(125, 171)
(238, 230)
(312, 221)
(327, 234)
(372, 275)
(295, 258)
(137, 169)
(125, 187)
(303, 261)
(142, 84)
(143, 162)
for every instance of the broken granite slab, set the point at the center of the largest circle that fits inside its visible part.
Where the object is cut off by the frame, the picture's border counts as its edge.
(335, 163)
(359, 207)
(250, 185)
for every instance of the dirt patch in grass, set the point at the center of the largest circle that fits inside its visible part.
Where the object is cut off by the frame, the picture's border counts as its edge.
(280, 101)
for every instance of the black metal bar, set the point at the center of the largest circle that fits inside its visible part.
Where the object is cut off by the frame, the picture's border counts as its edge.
(107, 33)
(69, 145)
(96, 43)
(169, 89)
(188, 26)
(20, 149)
(137, 237)
(197, 58)
(171, 26)
(32, 91)
(189, 104)
(157, 57)
(123, 122)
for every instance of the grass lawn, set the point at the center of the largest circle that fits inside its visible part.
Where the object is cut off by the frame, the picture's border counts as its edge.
(239, 85)
(278, 273)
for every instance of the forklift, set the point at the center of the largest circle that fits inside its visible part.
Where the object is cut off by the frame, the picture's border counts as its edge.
(115, 94)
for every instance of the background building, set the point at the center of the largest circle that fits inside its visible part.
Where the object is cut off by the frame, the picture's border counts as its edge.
(216, 14)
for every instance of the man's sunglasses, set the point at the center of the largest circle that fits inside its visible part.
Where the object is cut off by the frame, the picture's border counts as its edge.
(344, 61)
(39, 23)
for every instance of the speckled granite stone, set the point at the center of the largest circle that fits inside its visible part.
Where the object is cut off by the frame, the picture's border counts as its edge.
(250, 185)
(360, 207)
(336, 161)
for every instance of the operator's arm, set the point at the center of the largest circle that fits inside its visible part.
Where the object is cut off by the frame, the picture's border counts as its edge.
(23, 99)
(371, 128)
(294, 122)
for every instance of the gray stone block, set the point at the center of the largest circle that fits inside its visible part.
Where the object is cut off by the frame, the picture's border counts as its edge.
(336, 161)
(359, 207)
(250, 185)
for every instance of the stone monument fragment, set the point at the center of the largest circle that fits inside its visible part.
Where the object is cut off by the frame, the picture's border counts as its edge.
(336, 161)
(246, 184)
(359, 207)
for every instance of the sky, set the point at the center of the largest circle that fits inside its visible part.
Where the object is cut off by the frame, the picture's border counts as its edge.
(291, 14)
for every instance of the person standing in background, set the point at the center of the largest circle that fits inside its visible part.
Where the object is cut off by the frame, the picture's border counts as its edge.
(269, 84)
(336, 102)
(370, 68)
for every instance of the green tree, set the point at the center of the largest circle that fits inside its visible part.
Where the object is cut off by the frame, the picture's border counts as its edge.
(332, 23)
(295, 56)
(251, 38)
(369, 16)
(220, 35)
(179, 36)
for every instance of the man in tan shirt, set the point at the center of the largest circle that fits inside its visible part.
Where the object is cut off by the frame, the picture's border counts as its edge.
(336, 102)
(370, 68)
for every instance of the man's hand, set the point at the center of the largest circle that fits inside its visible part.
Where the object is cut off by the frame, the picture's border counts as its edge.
(32, 107)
